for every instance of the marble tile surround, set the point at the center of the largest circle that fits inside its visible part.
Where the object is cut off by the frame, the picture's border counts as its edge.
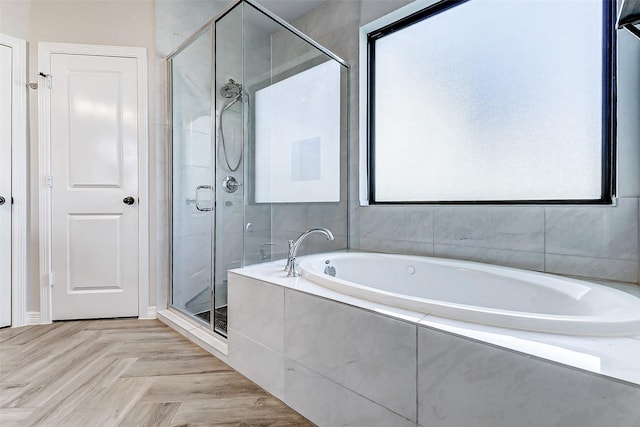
(500, 388)
(599, 242)
(598, 232)
(494, 227)
(273, 342)
(329, 404)
(265, 301)
(348, 348)
(338, 367)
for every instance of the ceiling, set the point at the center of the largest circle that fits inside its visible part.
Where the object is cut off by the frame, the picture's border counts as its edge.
(290, 10)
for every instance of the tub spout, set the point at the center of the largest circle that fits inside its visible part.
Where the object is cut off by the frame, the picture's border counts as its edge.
(290, 268)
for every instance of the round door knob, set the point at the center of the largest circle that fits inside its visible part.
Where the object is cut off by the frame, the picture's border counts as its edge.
(128, 200)
(2, 200)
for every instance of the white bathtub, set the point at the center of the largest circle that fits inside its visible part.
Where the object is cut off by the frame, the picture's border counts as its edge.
(478, 293)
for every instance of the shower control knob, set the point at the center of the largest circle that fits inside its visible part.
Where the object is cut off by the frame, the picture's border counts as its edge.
(229, 184)
(2, 200)
(128, 200)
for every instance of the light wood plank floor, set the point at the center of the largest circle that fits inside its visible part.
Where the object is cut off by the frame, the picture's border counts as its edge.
(124, 372)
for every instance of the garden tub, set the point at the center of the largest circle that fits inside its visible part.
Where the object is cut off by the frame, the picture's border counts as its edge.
(478, 293)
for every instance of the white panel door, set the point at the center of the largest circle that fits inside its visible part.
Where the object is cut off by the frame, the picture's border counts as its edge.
(94, 163)
(5, 184)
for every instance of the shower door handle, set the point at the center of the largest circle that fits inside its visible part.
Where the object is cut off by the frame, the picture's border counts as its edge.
(198, 207)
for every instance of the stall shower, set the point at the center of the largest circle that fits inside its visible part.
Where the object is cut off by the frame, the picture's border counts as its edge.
(259, 152)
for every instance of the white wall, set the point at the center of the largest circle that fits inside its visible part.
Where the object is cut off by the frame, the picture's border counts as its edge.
(14, 18)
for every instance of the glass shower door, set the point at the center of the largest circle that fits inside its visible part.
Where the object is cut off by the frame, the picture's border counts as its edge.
(192, 172)
(231, 106)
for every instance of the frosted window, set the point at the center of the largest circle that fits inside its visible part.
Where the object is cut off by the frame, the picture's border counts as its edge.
(491, 100)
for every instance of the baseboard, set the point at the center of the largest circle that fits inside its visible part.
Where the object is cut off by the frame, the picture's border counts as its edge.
(33, 318)
(151, 313)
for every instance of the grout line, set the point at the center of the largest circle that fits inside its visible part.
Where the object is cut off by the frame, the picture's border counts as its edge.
(544, 241)
(417, 374)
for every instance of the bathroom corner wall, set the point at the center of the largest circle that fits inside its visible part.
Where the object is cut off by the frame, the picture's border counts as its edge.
(599, 242)
(14, 18)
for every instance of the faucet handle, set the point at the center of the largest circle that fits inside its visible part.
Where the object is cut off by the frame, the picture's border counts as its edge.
(290, 258)
(293, 272)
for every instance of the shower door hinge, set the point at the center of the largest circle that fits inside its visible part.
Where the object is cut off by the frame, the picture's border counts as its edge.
(50, 181)
(52, 278)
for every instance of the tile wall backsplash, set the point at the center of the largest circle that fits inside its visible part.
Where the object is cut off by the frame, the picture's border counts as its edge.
(588, 241)
(596, 232)
(508, 228)
(594, 242)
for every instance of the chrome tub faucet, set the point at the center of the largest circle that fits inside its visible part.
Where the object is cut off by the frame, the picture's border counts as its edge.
(290, 268)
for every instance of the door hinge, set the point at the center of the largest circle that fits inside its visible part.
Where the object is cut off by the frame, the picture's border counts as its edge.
(52, 278)
(49, 78)
(50, 181)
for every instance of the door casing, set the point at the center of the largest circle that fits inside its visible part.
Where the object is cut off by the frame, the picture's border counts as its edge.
(19, 194)
(45, 50)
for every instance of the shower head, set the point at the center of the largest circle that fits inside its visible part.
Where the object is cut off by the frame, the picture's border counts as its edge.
(232, 89)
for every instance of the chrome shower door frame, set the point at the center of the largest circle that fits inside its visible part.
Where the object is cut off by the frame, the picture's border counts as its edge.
(209, 26)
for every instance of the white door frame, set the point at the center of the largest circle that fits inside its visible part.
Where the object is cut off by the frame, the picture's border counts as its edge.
(19, 194)
(45, 50)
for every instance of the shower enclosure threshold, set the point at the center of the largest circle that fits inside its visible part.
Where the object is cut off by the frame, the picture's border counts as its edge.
(220, 323)
(196, 332)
